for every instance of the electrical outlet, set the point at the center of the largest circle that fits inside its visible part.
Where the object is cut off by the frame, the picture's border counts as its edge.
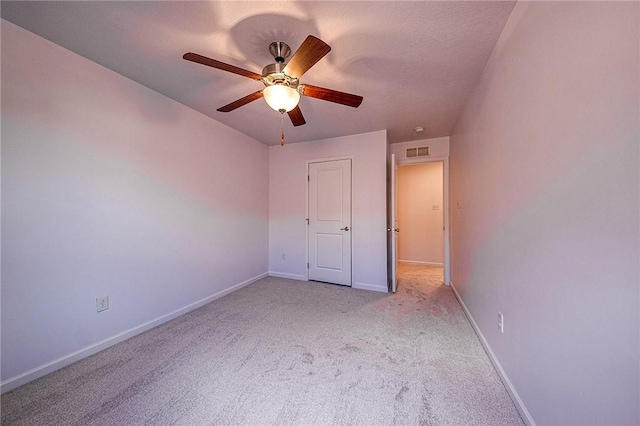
(500, 322)
(102, 303)
(284, 256)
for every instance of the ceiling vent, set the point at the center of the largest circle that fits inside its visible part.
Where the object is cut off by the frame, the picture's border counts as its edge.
(419, 151)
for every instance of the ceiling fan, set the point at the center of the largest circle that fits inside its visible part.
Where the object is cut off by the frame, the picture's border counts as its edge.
(282, 86)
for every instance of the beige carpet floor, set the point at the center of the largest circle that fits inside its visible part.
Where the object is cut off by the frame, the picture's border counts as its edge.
(286, 352)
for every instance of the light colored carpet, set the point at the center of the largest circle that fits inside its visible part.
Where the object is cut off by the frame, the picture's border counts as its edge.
(286, 352)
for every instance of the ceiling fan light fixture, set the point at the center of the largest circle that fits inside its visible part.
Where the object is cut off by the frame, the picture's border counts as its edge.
(281, 80)
(281, 97)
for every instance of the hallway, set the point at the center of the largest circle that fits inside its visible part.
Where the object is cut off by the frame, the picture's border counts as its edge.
(413, 274)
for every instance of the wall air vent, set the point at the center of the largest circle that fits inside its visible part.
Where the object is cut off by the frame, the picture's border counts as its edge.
(419, 151)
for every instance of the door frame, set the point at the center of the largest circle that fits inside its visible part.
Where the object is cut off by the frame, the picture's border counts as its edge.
(392, 235)
(353, 229)
(445, 202)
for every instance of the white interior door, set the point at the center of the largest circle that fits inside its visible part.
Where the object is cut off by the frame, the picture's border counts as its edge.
(330, 221)
(393, 223)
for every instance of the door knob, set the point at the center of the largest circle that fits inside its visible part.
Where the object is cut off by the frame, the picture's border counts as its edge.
(396, 230)
(346, 228)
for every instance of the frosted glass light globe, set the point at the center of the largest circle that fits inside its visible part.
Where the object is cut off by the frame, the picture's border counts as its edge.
(280, 97)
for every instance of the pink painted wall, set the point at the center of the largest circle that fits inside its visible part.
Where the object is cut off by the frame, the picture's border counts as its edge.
(545, 166)
(111, 188)
(421, 237)
(287, 185)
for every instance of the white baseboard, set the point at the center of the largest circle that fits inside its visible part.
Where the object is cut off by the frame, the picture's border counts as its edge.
(515, 397)
(371, 287)
(288, 276)
(417, 262)
(57, 364)
(360, 286)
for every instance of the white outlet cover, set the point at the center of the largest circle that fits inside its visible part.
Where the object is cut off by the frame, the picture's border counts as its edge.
(102, 303)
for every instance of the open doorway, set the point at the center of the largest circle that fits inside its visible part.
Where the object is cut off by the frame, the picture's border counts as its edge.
(421, 220)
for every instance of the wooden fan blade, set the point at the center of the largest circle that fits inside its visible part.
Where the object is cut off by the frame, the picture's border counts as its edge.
(296, 116)
(331, 95)
(194, 57)
(311, 51)
(242, 101)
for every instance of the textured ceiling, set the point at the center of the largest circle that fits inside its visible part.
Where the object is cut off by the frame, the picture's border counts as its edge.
(413, 62)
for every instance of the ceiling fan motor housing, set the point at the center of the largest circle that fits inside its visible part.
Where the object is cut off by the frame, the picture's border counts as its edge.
(274, 74)
(277, 68)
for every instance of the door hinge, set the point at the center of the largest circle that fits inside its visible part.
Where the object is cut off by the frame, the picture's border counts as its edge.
(307, 265)
(308, 178)
(307, 221)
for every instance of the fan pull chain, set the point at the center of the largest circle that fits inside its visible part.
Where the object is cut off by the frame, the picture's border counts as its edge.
(282, 127)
